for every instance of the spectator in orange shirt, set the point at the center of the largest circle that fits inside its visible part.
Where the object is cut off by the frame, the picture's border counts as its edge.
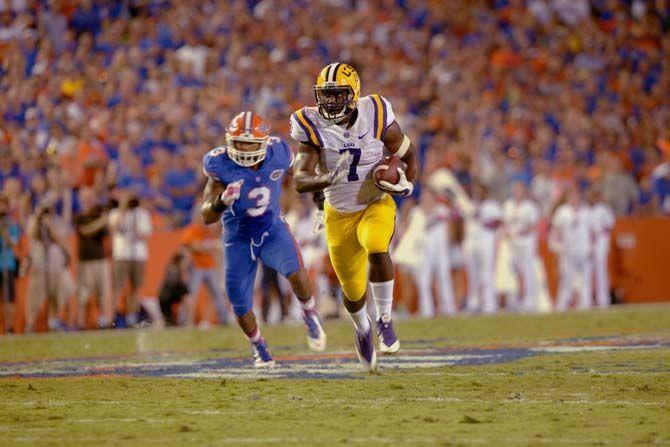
(91, 156)
(203, 245)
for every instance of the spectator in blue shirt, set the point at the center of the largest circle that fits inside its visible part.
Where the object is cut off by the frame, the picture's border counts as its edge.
(9, 238)
(181, 184)
(86, 18)
(130, 174)
(661, 179)
(645, 203)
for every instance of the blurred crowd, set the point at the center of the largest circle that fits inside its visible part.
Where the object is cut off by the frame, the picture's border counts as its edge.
(119, 100)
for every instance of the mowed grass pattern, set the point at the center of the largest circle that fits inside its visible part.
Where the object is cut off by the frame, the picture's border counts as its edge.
(619, 397)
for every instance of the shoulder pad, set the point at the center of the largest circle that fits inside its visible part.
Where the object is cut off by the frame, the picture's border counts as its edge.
(214, 163)
(303, 125)
(382, 114)
(281, 152)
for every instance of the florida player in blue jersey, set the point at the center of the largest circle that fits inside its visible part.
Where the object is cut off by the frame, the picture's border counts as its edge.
(244, 180)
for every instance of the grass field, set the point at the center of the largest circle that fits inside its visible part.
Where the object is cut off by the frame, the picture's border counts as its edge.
(598, 378)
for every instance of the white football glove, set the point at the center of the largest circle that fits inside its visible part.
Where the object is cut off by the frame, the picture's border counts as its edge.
(319, 222)
(403, 188)
(232, 193)
(341, 169)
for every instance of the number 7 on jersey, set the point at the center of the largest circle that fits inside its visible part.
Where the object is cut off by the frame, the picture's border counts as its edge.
(355, 159)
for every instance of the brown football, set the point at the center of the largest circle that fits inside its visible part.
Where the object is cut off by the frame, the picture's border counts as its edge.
(387, 170)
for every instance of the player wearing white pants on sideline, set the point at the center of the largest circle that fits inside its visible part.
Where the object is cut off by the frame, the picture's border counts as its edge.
(426, 239)
(602, 220)
(479, 251)
(570, 238)
(521, 216)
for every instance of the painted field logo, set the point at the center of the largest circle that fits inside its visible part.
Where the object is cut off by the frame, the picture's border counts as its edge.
(331, 366)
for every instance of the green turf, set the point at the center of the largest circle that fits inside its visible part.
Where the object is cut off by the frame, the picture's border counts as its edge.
(462, 331)
(597, 398)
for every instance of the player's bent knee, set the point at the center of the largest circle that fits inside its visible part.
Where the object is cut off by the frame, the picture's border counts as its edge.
(375, 243)
(378, 255)
(353, 291)
(241, 310)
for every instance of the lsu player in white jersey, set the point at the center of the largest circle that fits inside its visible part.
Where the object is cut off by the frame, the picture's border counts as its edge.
(341, 141)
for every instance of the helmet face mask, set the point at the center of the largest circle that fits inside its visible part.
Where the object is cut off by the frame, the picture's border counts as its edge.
(247, 139)
(245, 154)
(335, 102)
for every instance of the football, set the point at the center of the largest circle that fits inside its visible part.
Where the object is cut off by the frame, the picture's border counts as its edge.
(387, 170)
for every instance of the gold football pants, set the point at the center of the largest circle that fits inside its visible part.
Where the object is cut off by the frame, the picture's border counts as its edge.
(351, 237)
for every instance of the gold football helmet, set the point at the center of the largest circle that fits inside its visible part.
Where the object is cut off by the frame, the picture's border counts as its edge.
(337, 90)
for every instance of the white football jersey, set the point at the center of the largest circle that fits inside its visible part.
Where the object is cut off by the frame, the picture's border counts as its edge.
(574, 228)
(480, 226)
(437, 224)
(602, 218)
(362, 141)
(521, 218)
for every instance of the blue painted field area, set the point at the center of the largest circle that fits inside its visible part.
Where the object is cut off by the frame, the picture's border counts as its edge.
(338, 365)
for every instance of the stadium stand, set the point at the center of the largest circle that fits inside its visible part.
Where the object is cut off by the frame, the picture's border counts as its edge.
(126, 97)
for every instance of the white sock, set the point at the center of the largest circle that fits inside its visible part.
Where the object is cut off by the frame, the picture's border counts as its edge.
(255, 336)
(360, 319)
(308, 305)
(382, 292)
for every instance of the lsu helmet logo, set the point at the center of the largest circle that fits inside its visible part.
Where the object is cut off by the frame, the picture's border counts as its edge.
(337, 90)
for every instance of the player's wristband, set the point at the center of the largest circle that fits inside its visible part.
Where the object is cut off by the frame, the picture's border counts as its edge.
(218, 205)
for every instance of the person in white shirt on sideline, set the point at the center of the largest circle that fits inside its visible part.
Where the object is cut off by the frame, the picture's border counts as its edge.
(435, 262)
(49, 277)
(521, 217)
(479, 250)
(130, 226)
(602, 219)
(424, 250)
(570, 237)
(544, 188)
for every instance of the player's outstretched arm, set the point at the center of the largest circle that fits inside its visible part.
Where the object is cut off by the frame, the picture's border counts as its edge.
(304, 172)
(400, 145)
(212, 204)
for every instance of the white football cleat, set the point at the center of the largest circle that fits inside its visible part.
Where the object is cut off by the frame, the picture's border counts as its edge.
(316, 336)
(365, 348)
(261, 354)
(388, 340)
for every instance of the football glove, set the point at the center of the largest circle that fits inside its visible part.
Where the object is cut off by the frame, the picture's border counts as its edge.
(232, 193)
(403, 188)
(340, 171)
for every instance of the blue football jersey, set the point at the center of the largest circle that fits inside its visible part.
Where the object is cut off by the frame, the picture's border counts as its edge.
(257, 209)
